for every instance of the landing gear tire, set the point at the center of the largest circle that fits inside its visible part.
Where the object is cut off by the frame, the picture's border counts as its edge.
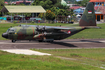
(13, 41)
(40, 40)
(50, 41)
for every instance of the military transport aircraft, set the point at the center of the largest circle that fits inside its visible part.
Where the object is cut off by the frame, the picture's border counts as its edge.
(50, 33)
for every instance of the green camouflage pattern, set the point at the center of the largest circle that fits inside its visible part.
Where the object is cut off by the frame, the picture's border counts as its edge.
(88, 19)
(30, 33)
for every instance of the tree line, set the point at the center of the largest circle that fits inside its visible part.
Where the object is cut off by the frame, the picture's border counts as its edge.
(53, 7)
(82, 2)
(14, 0)
(1, 5)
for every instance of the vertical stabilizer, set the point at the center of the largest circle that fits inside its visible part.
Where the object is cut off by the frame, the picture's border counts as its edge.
(88, 17)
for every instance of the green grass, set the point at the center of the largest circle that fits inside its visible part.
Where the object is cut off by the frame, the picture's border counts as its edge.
(97, 54)
(24, 62)
(86, 59)
(93, 57)
(91, 33)
(85, 34)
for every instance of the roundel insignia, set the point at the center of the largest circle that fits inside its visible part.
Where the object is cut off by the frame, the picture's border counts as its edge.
(69, 32)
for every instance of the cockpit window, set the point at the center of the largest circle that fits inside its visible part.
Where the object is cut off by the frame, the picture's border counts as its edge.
(11, 29)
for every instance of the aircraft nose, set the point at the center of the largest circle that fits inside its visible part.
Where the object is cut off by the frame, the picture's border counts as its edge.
(5, 35)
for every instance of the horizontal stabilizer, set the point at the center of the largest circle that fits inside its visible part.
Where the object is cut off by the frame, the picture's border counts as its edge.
(88, 27)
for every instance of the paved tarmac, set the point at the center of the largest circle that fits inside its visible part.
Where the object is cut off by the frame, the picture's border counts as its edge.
(59, 44)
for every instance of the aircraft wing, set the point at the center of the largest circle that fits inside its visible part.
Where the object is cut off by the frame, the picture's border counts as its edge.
(56, 28)
(48, 28)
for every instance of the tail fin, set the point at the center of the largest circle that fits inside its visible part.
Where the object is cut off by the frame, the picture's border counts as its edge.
(88, 17)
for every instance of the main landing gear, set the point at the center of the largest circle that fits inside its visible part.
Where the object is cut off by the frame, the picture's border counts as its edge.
(13, 41)
(40, 40)
(46, 40)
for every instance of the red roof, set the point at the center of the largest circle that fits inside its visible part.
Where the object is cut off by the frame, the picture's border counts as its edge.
(101, 9)
(18, 2)
(22, 1)
(96, 7)
(75, 7)
(97, 1)
(6, 2)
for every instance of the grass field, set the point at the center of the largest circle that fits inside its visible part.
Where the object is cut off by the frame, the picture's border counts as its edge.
(92, 57)
(61, 59)
(69, 59)
(91, 33)
(85, 34)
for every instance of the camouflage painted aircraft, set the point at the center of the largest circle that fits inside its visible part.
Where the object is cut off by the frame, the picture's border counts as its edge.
(50, 33)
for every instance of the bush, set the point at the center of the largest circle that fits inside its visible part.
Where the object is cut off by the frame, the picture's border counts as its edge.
(14, 22)
(50, 15)
(32, 22)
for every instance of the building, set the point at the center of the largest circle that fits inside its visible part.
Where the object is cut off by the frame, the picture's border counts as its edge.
(72, 5)
(99, 9)
(6, 2)
(78, 10)
(34, 10)
(98, 2)
(23, 2)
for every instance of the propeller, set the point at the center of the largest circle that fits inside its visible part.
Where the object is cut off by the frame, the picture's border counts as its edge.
(40, 32)
(37, 28)
(43, 29)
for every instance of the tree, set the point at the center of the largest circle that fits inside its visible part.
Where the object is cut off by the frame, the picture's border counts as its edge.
(71, 13)
(22, 4)
(50, 15)
(58, 5)
(61, 12)
(82, 3)
(42, 15)
(54, 9)
(70, 1)
(47, 4)
(36, 2)
(54, 6)
(1, 5)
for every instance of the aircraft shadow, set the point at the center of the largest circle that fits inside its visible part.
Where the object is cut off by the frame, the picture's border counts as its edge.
(84, 41)
(63, 44)
(90, 41)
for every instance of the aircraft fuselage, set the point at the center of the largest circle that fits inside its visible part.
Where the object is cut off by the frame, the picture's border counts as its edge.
(31, 33)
